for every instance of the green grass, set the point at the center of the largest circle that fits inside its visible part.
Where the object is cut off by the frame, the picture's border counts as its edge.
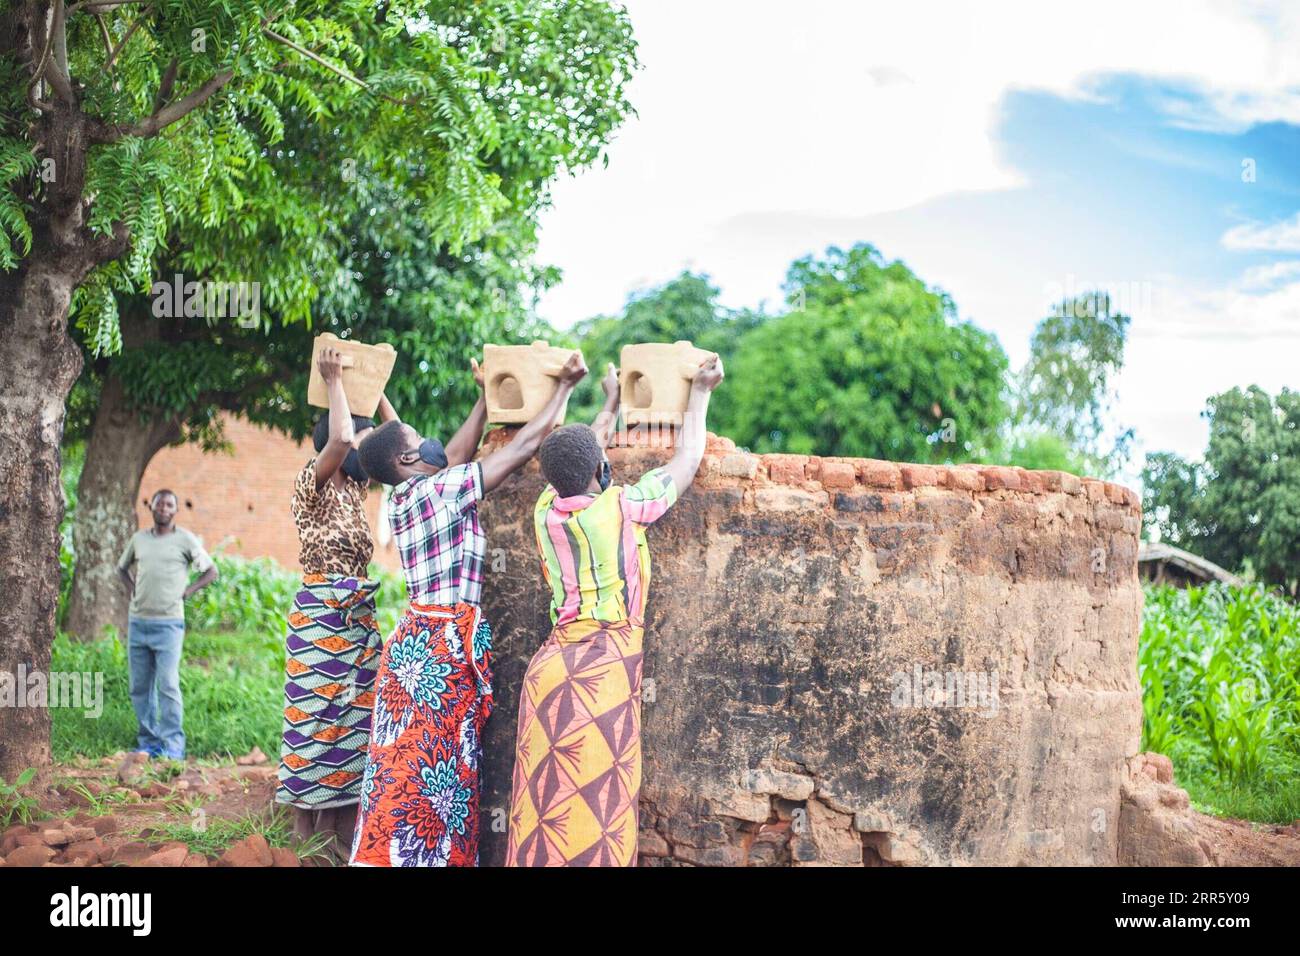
(254, 596)
(232, 684)
(17, 805)
(216, 834)
(102, 804)
(1273, 799)
(1219, 668)
(232, 671)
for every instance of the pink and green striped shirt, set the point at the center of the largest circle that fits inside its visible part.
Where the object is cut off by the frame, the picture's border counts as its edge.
(594, 551)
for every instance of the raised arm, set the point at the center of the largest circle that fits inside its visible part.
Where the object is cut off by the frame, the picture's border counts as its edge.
(603, 423)
(465, 442)
(386, 411)
(330, 458)
(505, 461)
(690, 441)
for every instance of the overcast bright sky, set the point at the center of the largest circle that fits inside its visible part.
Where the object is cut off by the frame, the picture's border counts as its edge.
(1009, 153)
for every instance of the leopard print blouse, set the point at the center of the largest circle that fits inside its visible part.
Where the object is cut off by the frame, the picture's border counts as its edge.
(333, 533)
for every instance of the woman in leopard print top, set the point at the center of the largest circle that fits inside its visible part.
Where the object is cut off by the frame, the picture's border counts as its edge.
(331, 643)
(333, 534)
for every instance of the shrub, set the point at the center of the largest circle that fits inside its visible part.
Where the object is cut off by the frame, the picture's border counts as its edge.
(232, 670)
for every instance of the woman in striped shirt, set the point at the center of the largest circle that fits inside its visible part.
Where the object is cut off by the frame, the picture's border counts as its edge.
(578, 749)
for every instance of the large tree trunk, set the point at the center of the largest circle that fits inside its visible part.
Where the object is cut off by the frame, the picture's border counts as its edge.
(38, 364)
(122, 443)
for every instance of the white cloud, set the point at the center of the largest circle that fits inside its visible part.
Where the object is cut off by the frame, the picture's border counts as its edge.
(767, 131)
(852, 110)
(1194, 342)
(1281, 236)
(1247, 310)
(1267, 276)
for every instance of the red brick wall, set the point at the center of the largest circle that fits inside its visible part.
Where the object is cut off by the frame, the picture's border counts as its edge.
(793, 599)
(238, 501)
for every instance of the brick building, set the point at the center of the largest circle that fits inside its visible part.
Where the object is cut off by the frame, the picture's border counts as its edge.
(238, 501)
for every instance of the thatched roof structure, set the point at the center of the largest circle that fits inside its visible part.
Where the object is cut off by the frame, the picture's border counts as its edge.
(1164, 564)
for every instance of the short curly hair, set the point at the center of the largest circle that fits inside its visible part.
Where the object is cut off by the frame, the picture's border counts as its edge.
(569, 457)
(379, 450)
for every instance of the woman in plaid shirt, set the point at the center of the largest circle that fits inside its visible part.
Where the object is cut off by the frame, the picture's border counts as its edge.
(420, 790)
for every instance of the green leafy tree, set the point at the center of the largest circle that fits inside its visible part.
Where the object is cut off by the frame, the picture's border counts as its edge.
(1040, 449)
(1065, 392)
(121, 122)
(174, 378)
(1240, 506)
(868, 361)
(1172, 490)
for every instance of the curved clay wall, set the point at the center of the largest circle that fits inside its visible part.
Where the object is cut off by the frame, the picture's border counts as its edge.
(799, 612)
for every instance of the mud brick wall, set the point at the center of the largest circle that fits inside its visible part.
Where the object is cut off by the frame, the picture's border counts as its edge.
(238, 500)
(793, 597)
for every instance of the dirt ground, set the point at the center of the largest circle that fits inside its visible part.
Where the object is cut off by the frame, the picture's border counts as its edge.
(1243, 843)
(117, 812)
(120, 812)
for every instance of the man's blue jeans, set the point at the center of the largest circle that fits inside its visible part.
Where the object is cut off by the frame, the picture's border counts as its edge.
(154, 655)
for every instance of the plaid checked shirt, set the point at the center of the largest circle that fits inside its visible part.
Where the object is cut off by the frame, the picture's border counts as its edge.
(435, 524)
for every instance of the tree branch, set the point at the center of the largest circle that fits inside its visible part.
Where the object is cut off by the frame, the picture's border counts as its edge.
(35, 102)
(105, 248)
(106, 5)
(332, 68)
(166, 86)
(57, 65)
(154, 124)
(33, 98)
(316, 58)
(163, 115)
(108, 41)
(135, 25)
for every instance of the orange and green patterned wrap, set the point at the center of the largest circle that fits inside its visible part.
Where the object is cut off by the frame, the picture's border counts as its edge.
(420, 793)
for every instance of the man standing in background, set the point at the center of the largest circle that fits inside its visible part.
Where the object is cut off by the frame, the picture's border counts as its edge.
(158, 587)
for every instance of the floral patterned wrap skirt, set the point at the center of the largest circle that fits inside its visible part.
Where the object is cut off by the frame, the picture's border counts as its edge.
(420, 791)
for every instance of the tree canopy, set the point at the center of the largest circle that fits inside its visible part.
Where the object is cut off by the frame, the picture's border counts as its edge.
(867, 361)
(455, 110)
(1240, 506)
(1065, 392)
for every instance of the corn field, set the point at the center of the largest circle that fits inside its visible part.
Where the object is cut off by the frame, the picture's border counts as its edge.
(1219, 670)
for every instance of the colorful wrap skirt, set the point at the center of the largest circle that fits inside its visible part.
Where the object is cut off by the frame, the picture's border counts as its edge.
(578, 752)
(420, 793)
(331, 651)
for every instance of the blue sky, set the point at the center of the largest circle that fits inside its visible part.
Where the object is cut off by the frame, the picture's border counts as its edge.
(1011, 157)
